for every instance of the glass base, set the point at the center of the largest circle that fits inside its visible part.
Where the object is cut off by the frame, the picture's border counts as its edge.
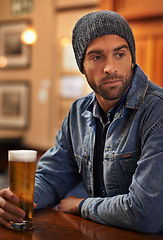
(22, 226)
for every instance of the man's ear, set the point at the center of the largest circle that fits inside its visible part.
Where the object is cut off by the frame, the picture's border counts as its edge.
(83, 71)
(132, 65)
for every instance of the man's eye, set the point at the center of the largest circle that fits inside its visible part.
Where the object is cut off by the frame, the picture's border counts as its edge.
(120, 55)
(97, 57)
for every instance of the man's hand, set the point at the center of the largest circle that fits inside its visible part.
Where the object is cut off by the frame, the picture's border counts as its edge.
(70, 205)
(8, 211)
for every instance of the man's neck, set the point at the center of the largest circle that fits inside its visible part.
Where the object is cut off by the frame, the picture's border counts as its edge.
(106, 105)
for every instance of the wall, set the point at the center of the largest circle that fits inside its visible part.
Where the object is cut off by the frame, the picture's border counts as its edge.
(39, 73)
(52, 19)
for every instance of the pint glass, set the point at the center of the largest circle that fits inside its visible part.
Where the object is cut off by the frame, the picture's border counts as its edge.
(22, 167)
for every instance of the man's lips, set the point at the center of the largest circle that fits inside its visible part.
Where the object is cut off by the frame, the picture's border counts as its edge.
(112, 82)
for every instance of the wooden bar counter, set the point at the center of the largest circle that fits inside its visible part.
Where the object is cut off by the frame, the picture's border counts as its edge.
(53, 225)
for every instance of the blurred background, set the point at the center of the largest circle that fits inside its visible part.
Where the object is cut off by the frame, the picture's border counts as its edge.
(39, 78)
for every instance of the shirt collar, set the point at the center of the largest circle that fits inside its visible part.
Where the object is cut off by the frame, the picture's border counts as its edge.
(138, 89)
(98, 112)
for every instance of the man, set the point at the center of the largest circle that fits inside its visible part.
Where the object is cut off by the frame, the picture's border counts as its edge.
(111, 138)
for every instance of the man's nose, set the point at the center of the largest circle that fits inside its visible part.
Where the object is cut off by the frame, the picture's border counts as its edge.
(110, 66)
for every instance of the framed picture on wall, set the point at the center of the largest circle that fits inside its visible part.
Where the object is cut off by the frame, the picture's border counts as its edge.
(14, 104)
(68, 58)
(13, 53)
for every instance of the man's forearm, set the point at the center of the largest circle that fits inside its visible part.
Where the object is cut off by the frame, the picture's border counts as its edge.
(70, 205)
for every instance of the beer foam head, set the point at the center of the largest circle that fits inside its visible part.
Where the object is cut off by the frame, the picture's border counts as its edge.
(22, 155)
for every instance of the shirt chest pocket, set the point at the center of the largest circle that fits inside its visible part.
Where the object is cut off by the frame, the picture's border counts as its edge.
(127, 164)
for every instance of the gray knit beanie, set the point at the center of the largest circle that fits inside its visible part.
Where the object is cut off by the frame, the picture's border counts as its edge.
(97, 24)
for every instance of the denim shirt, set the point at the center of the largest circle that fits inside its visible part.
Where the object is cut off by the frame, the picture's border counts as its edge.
(132, 160)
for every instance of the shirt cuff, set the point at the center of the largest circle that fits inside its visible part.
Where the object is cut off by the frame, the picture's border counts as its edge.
(80, 205)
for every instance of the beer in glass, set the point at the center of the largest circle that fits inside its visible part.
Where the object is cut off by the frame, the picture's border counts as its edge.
(22, 167)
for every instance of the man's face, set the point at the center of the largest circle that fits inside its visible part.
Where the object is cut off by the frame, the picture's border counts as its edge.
(108, 66)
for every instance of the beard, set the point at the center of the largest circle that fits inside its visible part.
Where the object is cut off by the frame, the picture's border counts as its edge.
(112, 92)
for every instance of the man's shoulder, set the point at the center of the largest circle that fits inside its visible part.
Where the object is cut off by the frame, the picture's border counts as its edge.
(85, 101)
(155, 91)
(153, 101)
